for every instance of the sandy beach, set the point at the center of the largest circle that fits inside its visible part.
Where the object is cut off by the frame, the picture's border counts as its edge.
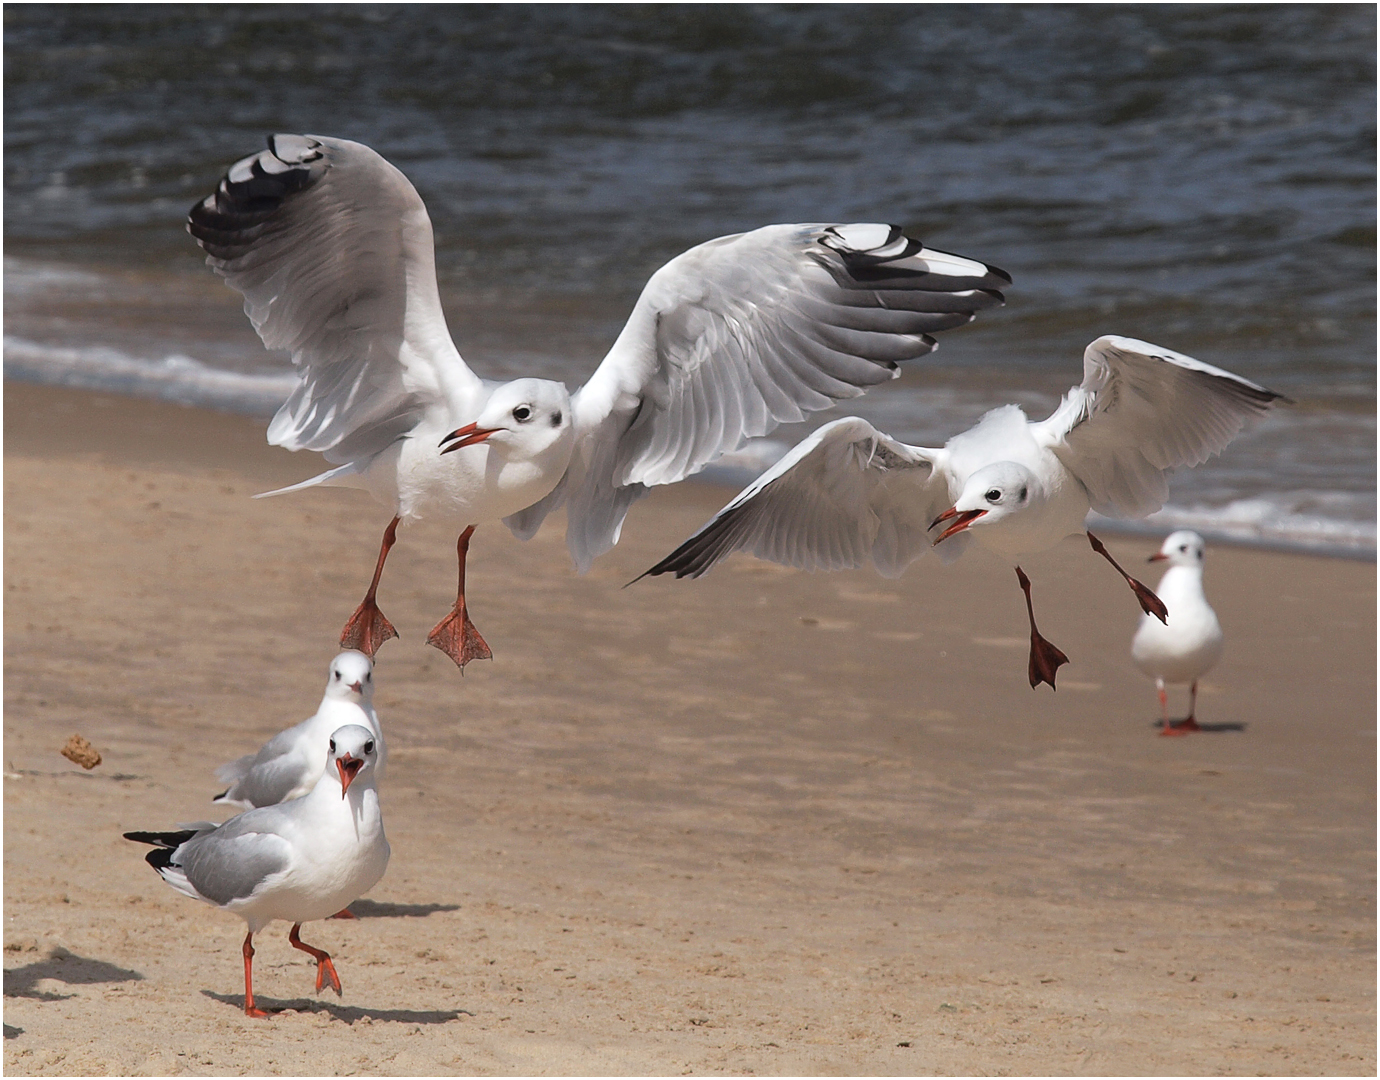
(766, 822)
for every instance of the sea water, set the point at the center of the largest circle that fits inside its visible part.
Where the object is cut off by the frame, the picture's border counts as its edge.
(1201, 177)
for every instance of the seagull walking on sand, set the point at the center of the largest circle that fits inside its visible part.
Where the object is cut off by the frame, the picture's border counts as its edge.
(296, 861)
(332, 248)
(289, 764)
(849, 493)
(1186, 647)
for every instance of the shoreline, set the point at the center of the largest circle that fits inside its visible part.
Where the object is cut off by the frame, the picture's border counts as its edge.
(763, 822)
(254, 402)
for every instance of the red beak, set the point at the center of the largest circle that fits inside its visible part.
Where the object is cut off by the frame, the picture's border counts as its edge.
(961, 520)
(468, 436)
(1159, 556)
(349, 767)
(356, 687)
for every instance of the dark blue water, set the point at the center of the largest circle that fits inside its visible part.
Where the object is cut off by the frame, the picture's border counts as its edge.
(1202, 177)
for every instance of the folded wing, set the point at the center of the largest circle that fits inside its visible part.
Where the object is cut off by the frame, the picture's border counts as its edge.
(846, 494)
(743, 333)
(332, 248)
(1141, 411)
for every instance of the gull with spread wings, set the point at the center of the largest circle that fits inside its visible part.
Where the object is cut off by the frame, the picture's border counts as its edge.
(332, 248)
(849, 493)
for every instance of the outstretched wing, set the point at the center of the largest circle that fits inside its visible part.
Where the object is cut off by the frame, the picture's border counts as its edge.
(1141, 411)
(743, 333)
(332, 248)
(846, 494)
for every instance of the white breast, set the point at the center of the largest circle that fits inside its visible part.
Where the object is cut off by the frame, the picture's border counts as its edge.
(1190, 643)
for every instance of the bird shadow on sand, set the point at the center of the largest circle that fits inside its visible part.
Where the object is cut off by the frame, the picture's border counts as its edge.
(65, 967)
(1206, 729)
(12, 1032)
(350, 1014)
(374, 909)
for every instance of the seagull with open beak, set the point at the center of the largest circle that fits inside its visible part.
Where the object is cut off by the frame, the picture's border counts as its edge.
(298, 861)
(849, 493)
(290, 763)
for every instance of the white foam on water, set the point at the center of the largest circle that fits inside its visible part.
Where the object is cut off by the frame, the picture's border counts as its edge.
(174, 377)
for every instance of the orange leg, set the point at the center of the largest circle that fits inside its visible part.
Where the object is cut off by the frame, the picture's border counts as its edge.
(1045, 659)
(324, 968)
(249, 1009)
(455, 635)
(367, 629)
(1149, 602)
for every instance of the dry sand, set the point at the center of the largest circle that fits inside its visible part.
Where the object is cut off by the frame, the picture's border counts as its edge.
(766, 822)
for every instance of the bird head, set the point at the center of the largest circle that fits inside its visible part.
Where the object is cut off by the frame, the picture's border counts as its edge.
(525, 416)
(353, 750)
(1182, 548)
(351, 677)
(992, 494)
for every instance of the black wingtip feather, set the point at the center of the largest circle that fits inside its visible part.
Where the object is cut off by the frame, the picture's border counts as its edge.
(165, 843)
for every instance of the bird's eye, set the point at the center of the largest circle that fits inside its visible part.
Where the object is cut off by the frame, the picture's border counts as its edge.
(337, 676)
(522, 414)
(332, 746)
(1184, 548)
(369, 747)
(556, 418)
(1023, 493)
(369, 678)
(994, 495)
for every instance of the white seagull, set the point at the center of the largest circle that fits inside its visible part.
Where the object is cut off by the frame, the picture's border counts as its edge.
(332, 248)
(1185, 648)
(289, 764)
(297, 861)
(849, 493)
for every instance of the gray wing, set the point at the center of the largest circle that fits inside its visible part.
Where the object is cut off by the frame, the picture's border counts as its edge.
(332, 248)
(232, 861)
(846, 494)
(1141, 411)
(741, 334)
(268, 776)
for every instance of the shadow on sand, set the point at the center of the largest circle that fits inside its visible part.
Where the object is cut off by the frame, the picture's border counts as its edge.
(347, 1013)
(65, 967)
(1207, 729)
(373, 909)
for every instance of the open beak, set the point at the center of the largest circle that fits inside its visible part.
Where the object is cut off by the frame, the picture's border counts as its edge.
(349, 767)
(1159, 556)
(961, 520)
(467, 436)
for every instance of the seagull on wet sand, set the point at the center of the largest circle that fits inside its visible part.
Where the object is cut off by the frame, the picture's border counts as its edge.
(296, 861)
(1185, 648)
(289, 764)
(332, 248)
(849, 493)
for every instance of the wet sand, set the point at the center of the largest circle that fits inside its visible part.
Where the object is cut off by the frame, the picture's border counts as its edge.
(765, 822)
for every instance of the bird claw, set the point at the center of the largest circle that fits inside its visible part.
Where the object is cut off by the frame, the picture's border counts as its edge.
(1149, 602)
(1045, 661)
(456, 636)
(256, 1013)
(367, 629)
(344, 913)
(326, 970)
(1180, 727)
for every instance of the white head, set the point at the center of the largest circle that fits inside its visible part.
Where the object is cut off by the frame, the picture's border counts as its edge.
(1182, 548)
(351, 678)
(353, 750)
(991, 495)
(526, 417)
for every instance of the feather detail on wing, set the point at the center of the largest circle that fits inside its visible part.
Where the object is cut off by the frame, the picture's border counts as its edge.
(846, 494)
(332, 248)
(746, 332)
(1140, 412)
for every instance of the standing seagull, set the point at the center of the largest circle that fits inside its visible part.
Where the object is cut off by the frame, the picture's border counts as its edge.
(1184, 649)
(289, 764)
(332, 248)
(297, 861)
(848, 492)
